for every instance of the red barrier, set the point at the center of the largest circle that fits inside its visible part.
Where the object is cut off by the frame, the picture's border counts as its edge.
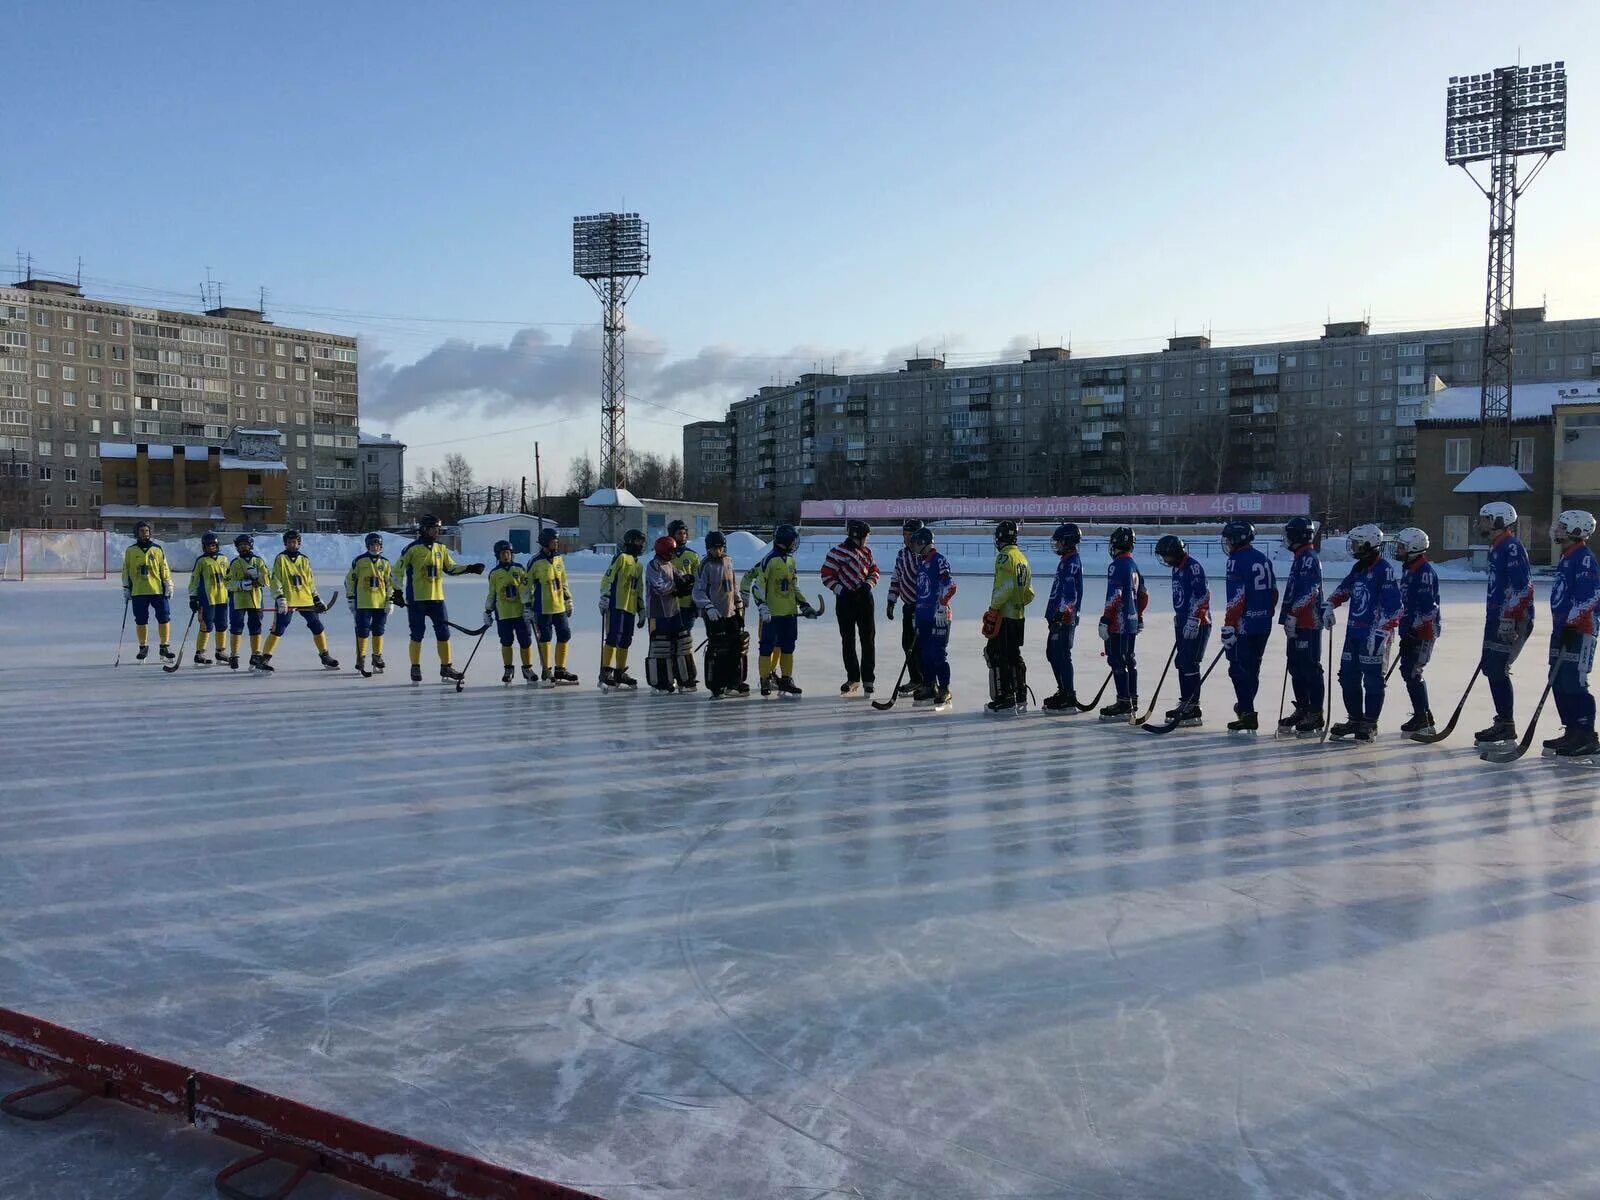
(300, 1138)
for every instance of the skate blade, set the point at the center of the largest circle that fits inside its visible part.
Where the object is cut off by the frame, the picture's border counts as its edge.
(1500, 756)
(1425, 732)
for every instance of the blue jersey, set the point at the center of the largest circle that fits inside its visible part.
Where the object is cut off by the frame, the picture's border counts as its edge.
(1125, 594)
(1374, 597)
(1066, 593)
(1510, 586)
(1419, 601)
(1574, 593)
(1302, 595)
(1252, 591)
(1191, 598)
(935, 585)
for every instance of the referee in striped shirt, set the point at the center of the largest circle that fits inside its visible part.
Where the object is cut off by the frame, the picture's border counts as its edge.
(850, 574)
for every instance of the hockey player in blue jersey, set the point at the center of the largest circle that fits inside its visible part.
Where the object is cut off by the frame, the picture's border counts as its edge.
(1247, 625)
(1508, 621)
(936, 585)
(1061, 614)
(1191, 624)
(1300, 616)
(1374, 598)
(1121, 622)
(1420, 623)
(1573, 598)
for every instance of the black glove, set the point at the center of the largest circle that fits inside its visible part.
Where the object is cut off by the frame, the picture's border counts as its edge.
(683, 587)
(888, 609)
(399, 598)
(319, 606)
(194, 604)
(1571, 638)
(475, 569)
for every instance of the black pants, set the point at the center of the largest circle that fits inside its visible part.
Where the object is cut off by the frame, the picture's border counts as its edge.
(1008, 674)
(727, 651)
(854, 610)
(908, 643)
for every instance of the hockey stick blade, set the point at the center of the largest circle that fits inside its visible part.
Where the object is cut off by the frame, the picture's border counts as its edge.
(1501, 754)
(183, 643)
(1169, 726)
(1083, 708)
(886, 705)
(1428, 739)
(1156, 695)
(462, 629)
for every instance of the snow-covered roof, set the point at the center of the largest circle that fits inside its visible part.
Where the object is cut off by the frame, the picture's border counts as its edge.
(363, 438)
(485, 518)
(229, 463)
(1527, 400)
(153, 511)
(613, 498)
(1488, 481)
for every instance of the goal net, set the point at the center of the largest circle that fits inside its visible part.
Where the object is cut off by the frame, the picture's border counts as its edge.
(55, 553)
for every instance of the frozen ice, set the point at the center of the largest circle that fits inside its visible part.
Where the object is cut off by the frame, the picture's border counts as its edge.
(799, 949)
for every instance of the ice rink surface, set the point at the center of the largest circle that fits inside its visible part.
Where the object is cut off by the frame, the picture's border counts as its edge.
(676, 948)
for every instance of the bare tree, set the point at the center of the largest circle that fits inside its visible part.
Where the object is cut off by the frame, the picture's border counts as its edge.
(582, 479)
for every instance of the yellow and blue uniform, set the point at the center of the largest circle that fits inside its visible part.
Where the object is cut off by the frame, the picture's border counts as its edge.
(504, 604)
(147, 582)
(294, 586)
(208, 596)
(622, 603)
(550, 605)
(776, 593)
(419, 573)
(247, 576)
(367, 587)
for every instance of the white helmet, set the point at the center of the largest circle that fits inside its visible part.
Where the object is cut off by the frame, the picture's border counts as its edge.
(1499, 514)
(1574, 525)
(1364, 540)
(1410, 541)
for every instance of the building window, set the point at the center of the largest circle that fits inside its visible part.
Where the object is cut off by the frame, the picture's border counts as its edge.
(1522, 455)
(1457, 456)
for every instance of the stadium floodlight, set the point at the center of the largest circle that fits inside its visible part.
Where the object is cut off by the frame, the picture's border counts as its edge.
(1495, 117)
(612, 252)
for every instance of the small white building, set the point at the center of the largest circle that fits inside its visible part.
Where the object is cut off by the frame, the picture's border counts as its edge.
(479, 534)
(605, 516)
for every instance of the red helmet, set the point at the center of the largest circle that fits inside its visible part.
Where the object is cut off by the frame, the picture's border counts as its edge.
(665, 547)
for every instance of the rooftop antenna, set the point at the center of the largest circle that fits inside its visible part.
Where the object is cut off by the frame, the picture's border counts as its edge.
(262, 304)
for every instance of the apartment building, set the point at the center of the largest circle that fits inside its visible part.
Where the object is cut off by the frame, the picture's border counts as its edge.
(76, 371)
(707, 466)
(1332, 416)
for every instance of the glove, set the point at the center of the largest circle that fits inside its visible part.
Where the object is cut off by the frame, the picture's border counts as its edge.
(1506, 631)
(605, 603)
(350, 603)
(475, 569)
(488, 615)
(1140, 627)
(712, 616)
(762, 614)
(683, 587)
(127, 591)
(1325, 615)
(169, 589)
(571, 607)
(319, 606)
(805, 608)
(281, 606)
(1191, 629)
(991, 622)
(1289, 623)
(398, 598)
(194, 604)
(888, 609)
(941, 618)
(1105, 630)
(1229, 636)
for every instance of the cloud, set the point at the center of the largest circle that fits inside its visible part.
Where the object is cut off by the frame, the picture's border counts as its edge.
(533, 374)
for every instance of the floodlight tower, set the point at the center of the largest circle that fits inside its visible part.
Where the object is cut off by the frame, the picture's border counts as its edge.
(1497, 117)
(612, 252)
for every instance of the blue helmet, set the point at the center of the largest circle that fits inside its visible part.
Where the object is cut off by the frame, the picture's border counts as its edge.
(1237, 533)
(1171, 549)
(1067, 532)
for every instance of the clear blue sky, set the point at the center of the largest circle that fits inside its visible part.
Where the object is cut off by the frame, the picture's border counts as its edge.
(824, 181)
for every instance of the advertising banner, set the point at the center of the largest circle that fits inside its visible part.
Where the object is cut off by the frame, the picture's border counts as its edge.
(1044, 508)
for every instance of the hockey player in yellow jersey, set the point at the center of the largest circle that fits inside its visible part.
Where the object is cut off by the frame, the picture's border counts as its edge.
(779, 605)
(147, 585)
(367, 587)
(208, 596)
(687, 563)
(621, 607)
(504, 605)
(1003, 623)
(419, 575)
(294, 590)
(550, 608)
(247, 579)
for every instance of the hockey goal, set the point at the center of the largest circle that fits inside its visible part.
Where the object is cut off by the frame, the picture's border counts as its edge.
(55, 553)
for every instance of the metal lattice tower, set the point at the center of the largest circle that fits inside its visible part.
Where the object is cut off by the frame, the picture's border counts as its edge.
(1496, 117)
(612, 252)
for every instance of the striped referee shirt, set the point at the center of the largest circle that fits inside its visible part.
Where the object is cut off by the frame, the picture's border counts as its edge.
(904, 584)
(849, 567)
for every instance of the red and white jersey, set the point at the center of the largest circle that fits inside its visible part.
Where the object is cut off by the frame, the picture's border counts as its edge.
(848, 567)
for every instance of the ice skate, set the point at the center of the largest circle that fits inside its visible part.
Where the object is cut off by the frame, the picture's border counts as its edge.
(849, 688)
(1244, 724)
(1420, 722)
(1500, 731)
(1119, 710)
(787, 688)
(1310, 725)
